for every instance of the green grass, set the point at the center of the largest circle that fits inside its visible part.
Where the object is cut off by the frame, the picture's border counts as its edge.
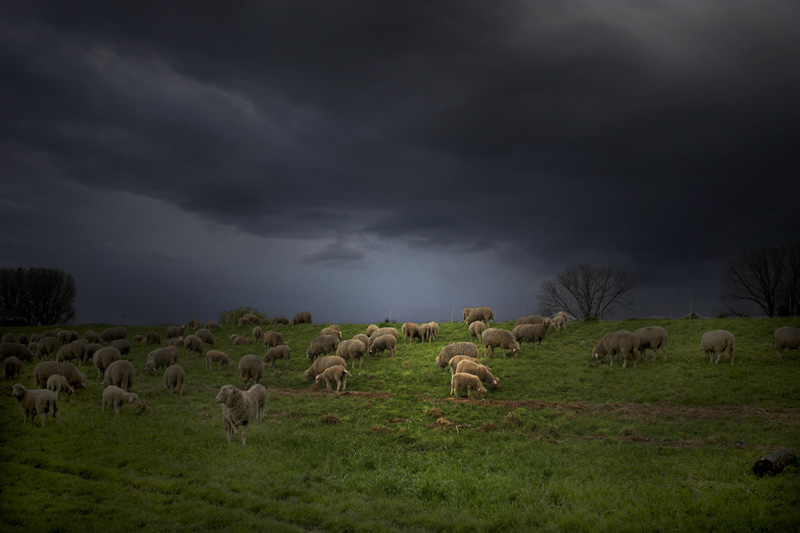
(562, 445)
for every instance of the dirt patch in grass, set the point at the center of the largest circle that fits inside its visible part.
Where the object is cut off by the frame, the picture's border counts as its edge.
(323, 392)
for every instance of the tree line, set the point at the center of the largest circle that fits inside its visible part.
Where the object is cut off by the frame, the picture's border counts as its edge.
(37, 296)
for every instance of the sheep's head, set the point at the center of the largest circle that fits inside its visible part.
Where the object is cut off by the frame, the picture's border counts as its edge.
(224, 393)
(18, 391)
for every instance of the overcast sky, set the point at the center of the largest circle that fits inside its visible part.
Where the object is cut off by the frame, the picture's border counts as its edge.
(184, 158)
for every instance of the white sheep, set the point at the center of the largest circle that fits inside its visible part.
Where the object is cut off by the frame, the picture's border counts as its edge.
(259, 393)
(216, 356)
(238, 409)
(476, 329)
(120, 373)
(466, 381)
(282, 351)
(457, 359)
(499, 338)
(117, 397)
(321, 363)
(480, 313)
(411, 331)
(620, 342)
(174, 377)
(336, 373)
(787, 337)
(453, 349)
(251, 368)
(484, 373)
(36, 402)
(653, 337)
(193, 344)
(382, 343)
(717, 341)
(58, 383)
(352, 349)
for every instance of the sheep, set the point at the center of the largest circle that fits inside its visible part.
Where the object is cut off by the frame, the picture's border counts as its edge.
(280, 320)
(193, 344)
(251, 368)
(278, 352)
(322, 346)
(58, 383)
(238, 340)
(303, 317)
(152, 338)
(47, 347)
(193, 323)
(174, 376)
(123, 346)
(259, 394)
(457, 359)
(384, 331)
(273, 338)
(216, 356)
(36, 402)
(480, 313)
(717, 341)
(10, 338)
(116, 397)
(476, 329)
(175, 332)
(112, 334)
(238, 409)
(467, 381)
(321, 364)
(363, 338)
(45, 369)
(212, 325)
(465, 313)
(91, 348)
(382, 343)
(620, 342)
(23, 338)
(120, 373)
(433, 331)
(530, 319)
(13, 366)
(371, 329)
(161, 358)
(139, 339)
(251, 319)
(560, 322)
(258, 334)
(177, 342)
(352, 349)
(533, 333)
(331, 330)
(787, 337)
(337, 373)
(206, 336)
(477, 369)
(653, 337)
(453, 349)
(74, 350)
(104, 357)
(66, 336)
(411, 331)
(425, 333)
(499, 338)
(21, 351)
(93, 337)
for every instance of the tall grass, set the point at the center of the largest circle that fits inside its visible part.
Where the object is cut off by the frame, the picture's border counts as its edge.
(562, 445)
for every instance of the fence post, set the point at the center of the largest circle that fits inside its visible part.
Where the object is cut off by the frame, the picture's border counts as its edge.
(390, 314)
(452, 313)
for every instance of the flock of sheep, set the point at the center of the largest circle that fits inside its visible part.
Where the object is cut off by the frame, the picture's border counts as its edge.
(329, 355)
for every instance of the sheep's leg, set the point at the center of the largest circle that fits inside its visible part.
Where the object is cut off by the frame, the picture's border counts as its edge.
(244, 435)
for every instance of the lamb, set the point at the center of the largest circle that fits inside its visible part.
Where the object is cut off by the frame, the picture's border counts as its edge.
(533, 333)
(303, 317)
(175, 332)
(477, 369)
(787, 337)
(152, 338)
(620, 342)
(322, 346)
(13, 366)
(352, 349)
(45, 369)
(320, 364)
(58, 383)
(530, 319)
(560, 322)
(104, 357)
(457, 359)
(453, 349)
(36, 402)
(259, 394)
(238, 340)
(174, 376)
(653, 337)
(411, 331)
(238, 409)
(216, 356)
(21, 351)
(331, 330)
(161, 358)
(467, 381)
(499, 338)
(206, 336)
(258, 334)
(193, 344)
(280, 320)
(717, 341)
(93, 337)
(251, 368)
(480, 313)
(476, 329)
(337, 373)
(273, 338)
(74, 350)
(47, 347)
(120, 373)
(112, 334)
(123, 346)
(116, 397)
(278, 352)
(382, 343)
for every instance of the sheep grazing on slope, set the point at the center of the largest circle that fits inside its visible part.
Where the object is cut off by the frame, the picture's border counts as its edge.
(74, 350)
(251, 368)
(654, 338)
(372, 328)
(336, 373)
(258, 335)
(620, 342)
(194, 323)
(251, 319)
(320, 364)
(383, 343)
(92, 337)
(560, 322)
(112, 334)
(453, 364)
(216, 356)
(66, 336)
(433, 331)
(36, 402)
(161, 358)
(193, 345)
(480, 313)
(717, 341)
(363, 338)
(173, 332)
(411, 331)
(466, 381)
(273, 338)
(21, 351)
(117, 397)
(104, 357)
(152, 338)
(239, 408)
(425, 333)
(533, 333)
(9, 338)
(174, 377)
(238, 340)
(324, 345)
(12, 367)
(212, 325)
(331, 330)
(120, 373)
(453, 349)
(45, 369)
(465, 313)
(206, 336)
(280, 320)
(499, 338)
(45, 347)
(476, 329)
(477, 369)
(388, 330)
(352, 349)
(530, 319)
(123, 346)
(259, 394)
(278, 352)
(787, 337)
(303, 317)
(58, 383)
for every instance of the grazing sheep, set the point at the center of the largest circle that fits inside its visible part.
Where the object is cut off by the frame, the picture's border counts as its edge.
(175, 332)
(251, 319)
(216, 356)
(363, 338)
(238, 340)
(58, 383)
(273, 338)
(278, 352)
(303, 317)
(477, 369)
(45, 369)
(193, 344)
(251, 368)
(177, 342)
(530, 319)
(13, 366)
(138, 339)
(533, 333)
(7, 349)
(322, 346)
(425, 332)
(123, 346)
(481, 313)
(787, 337)
(112, 334)
(206, 336)
(717, 341)
(331, 330)
(117, 397)
(74, 350)
(174, 376)
(372, 328)
(388, 330)
(120, 373)
(620, 342)
(382, 343)
(93, 337)
(499, 338)
(653, 337)
(321, 364)
(548, 323)
(476, 329)
(433, 331)
(457, 359)
(466, 381)
(90, 349)
(152, 338)
(161, 358)
(36, 402)
(104, 357)
(212, 325)
(50, 333)
(66, 336)
(465, 313)
(23, 339)
(337, 373)
(411, 331)
(352, 349)
(194, 323)
(10, 338)
(259, 393)
(453, 349)
(560, 322)
(238, 409)
(258, 334)
(280, 320)
(47, 347)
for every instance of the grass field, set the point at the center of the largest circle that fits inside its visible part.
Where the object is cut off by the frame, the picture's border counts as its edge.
(562, 445)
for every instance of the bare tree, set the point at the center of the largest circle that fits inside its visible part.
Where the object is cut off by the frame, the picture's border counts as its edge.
(586, 291)
(39, 295)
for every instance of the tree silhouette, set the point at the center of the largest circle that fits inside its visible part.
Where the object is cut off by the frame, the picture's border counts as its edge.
(38, 295)
(586, 291)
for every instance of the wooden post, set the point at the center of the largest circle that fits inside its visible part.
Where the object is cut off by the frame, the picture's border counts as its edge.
(774, 462)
